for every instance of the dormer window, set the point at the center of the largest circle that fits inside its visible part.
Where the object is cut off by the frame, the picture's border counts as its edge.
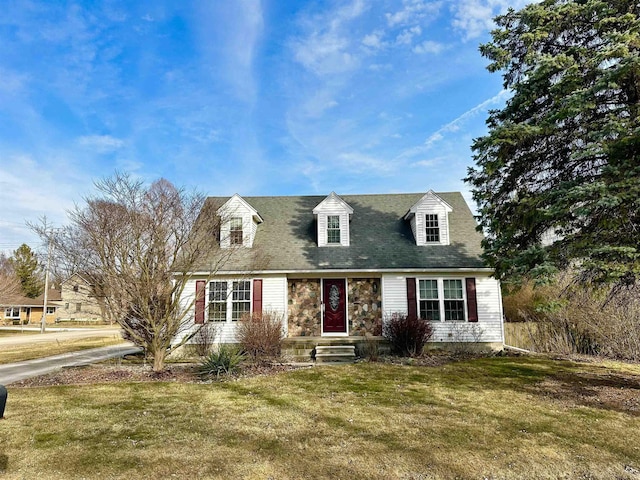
(235, 231)
(332, 216)
(238, 223)
(432, 231)
(333, 229)
(429, 219)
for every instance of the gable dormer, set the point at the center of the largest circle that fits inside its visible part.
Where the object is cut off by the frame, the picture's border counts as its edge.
(238, 223)
(332, 215)
(429, 219)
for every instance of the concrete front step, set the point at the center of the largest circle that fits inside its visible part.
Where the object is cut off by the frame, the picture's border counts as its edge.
(335, 354)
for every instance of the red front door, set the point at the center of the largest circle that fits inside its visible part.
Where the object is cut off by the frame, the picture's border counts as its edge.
(335, 311)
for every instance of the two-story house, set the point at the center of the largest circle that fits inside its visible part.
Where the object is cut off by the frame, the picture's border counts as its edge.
(337, 267)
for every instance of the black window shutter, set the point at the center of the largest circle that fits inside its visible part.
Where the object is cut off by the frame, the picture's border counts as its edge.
(412, 304)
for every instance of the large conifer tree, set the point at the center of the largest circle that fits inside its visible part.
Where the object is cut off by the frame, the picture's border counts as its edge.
(557, 178)
(27, 268)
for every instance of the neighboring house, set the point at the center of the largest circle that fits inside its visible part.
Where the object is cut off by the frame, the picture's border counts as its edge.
(79, 301)
(337, 267)
(18, 309)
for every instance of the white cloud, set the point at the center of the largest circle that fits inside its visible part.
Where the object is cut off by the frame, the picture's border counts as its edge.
(30, 190)
(360, 162)
(475, 17)
(12, 82)
(412, 12)
(317, 104)
(101, 143)
(460, 121)
(431, 162)
(406, 36)
(327, 48)
(374, 40)
(428, 46)
(232, 50)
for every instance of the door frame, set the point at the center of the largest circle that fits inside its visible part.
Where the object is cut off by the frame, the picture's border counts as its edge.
(346, 308)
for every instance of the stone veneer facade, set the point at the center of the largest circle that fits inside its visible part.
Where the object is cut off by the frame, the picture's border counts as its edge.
(365, 306)
(304, 307)
(364, 309)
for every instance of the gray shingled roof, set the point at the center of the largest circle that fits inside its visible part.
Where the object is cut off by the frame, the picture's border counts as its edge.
(380, 238)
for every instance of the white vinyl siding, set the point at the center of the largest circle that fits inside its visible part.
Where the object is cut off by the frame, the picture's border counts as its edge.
(394, 295)
(394, 299)
(274, 299)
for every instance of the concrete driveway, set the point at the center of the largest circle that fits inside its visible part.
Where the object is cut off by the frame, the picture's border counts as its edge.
(14, 372)
(54, 334)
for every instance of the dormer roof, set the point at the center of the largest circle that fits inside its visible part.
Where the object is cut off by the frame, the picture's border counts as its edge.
(226, 208)
(429, 197)
(330, 201)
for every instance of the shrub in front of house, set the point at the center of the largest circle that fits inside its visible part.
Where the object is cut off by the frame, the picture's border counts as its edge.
(407, 334)
(223, 361)
(260, 335)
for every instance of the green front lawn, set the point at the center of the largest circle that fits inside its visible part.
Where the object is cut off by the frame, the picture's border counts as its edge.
(487, 418)
(31, 351)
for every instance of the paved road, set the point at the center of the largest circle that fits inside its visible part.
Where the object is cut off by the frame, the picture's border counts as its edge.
(14, 372)
(55, 335)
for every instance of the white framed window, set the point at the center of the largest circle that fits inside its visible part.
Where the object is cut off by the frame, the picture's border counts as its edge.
(429, 300)
(12, 312)
(235, 231)
(51, 310)
(218, 302)
(453, 299)
(432, 228)
(225, 305)
(442, 299)
(333, 229)
(240, 299)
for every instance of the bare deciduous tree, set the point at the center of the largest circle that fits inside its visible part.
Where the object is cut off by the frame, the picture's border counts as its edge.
(9, 284)
(140, 246)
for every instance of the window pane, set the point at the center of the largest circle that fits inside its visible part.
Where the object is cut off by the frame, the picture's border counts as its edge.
(239, 309)
(428, 289)
(430, 310)
(218, 312)
(235, 223)
(452, 289)
(235, 234)
(217, 302)
(217, 291)
(241, 291)
(453, 310)
(333, 221)
(432, 229)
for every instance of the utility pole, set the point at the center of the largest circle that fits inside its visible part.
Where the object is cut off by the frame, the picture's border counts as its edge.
(43, 322)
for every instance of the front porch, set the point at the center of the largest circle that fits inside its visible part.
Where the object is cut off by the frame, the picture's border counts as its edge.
(303, 349)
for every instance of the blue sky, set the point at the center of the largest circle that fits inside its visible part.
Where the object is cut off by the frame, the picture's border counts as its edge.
(252, 97)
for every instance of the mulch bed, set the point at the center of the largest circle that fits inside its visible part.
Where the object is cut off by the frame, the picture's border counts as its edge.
(183, 373)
